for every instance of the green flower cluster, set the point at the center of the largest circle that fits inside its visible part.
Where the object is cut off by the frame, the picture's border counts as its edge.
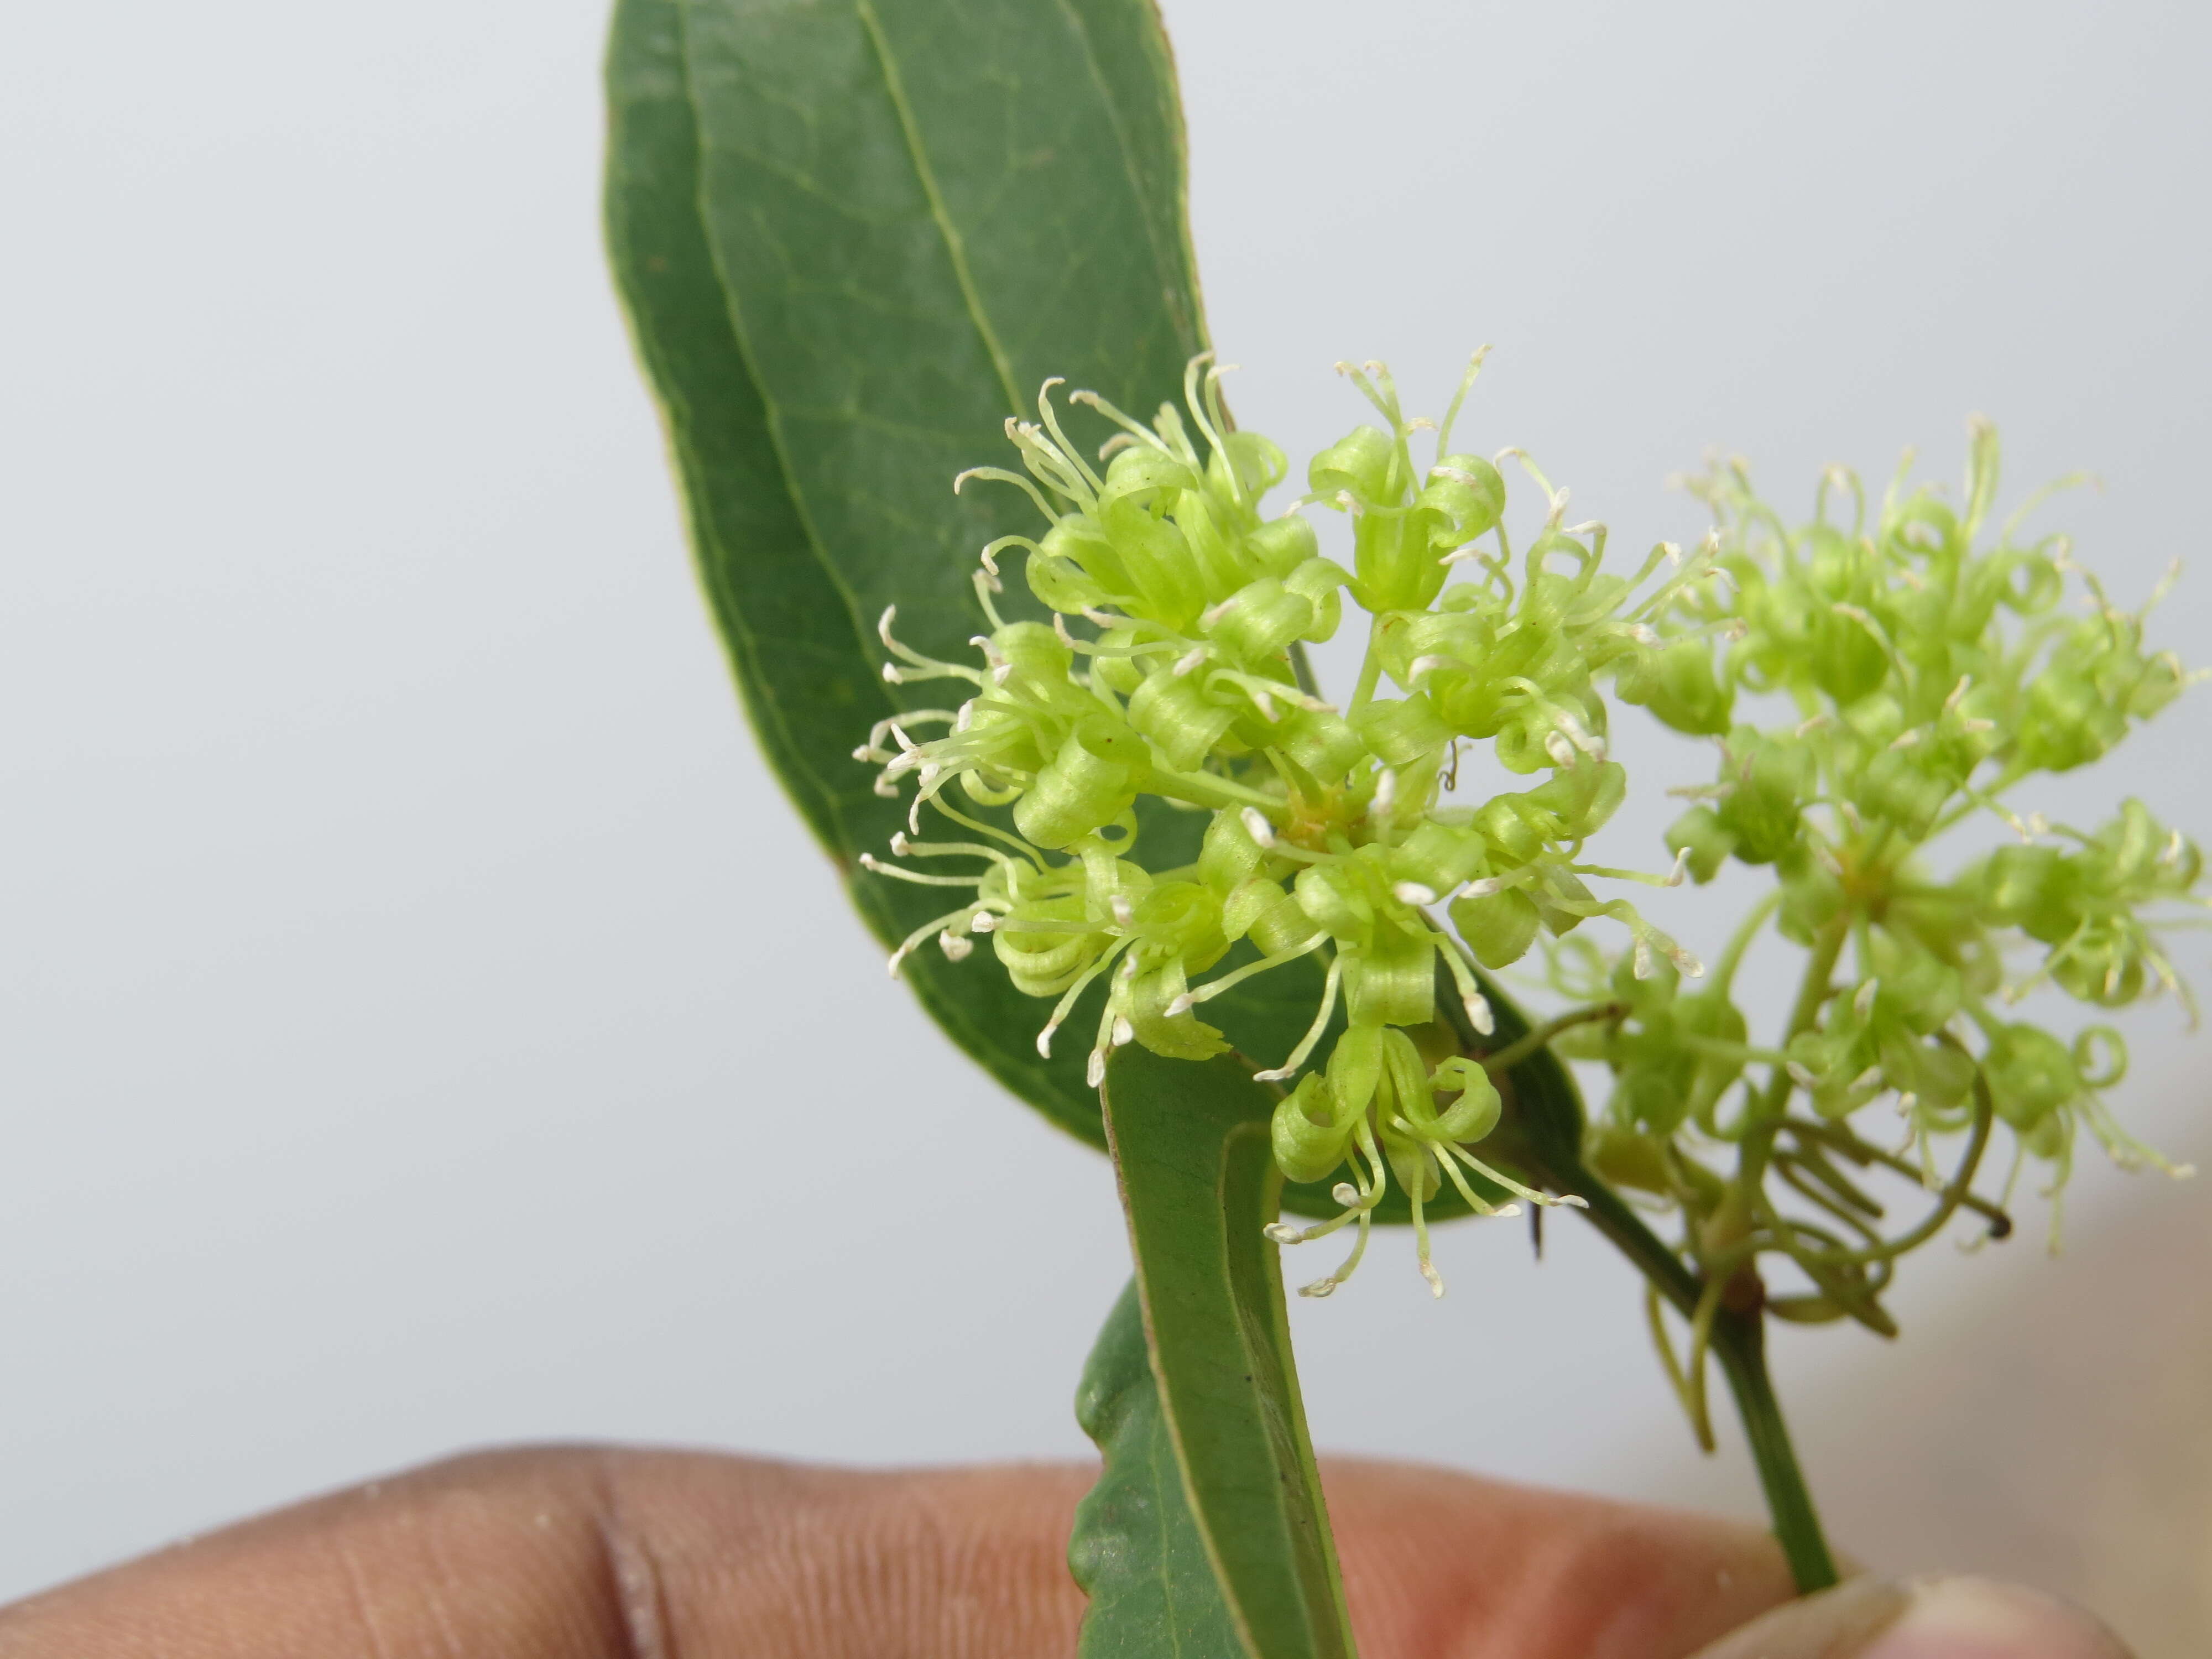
(1174, 668)
(1924, 679)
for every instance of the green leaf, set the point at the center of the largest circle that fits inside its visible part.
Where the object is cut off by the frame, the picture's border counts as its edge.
(852, 240)
(1198, 1183)
(1136, 1552)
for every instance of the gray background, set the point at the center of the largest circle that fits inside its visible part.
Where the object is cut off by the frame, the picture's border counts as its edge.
(425, 1024)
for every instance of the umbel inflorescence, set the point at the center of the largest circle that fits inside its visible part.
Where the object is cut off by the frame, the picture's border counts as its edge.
(1924, 682)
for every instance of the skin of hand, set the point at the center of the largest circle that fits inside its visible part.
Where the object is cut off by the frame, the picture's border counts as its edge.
(603, 1553)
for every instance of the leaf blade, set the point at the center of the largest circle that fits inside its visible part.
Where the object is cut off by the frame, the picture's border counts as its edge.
(1198, 1183)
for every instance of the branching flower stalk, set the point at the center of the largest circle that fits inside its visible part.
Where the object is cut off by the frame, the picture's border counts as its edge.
(1925, 674)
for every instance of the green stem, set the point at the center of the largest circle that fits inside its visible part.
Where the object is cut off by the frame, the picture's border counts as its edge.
(1739, 1343)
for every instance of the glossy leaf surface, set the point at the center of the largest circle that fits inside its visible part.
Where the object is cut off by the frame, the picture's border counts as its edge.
(854, 238)
(1198, 1183)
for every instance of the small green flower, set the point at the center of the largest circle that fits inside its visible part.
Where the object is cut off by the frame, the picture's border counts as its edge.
(1172, 669)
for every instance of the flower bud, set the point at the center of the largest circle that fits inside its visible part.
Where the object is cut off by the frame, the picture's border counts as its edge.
(1086, 786)
(2068, 722)
(1773, 778)
(2029, 887)
(1464, 498)
(1259, 621)
(1178, 718)
(1281, 545)
(1402, 730)
(1394, 566)
(1896, 786)
(2030, 1073)
(1355, 1067)
(1308, 1138)
(1498, 928)
(1438, 856)
(1392, 981)
(1323, 743)
(1476, 1112)
(1678, 686)
(1258, 462)
(1317, 582)
(1701, 833)
(1144, 475)
(1365, 463)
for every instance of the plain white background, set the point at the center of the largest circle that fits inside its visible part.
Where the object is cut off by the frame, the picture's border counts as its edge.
(424, 1024)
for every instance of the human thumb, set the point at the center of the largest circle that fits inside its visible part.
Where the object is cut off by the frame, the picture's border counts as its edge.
(1921, 1619)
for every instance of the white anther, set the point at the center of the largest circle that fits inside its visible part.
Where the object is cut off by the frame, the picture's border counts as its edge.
(2173, 846)
(1276, 1076)
(1870, 1079)
(865, 753)
(1974, 726)
(1643, 635)
(1256, 826)
(1045, 1037)
(1386, 793)
(1430, 663)
(955, 947)
(886, 788)
(1674, 552)
(898, 957)
(1345, 1193)
(1095, 1072)
(1412, 892)
(1906, 1103)
(1123, 914)
(1905, 739)
(1124, 1033)
(1420, 423)
(1187, 661)
(1477, 1013)
(983, 922)
(1283, 1233)
(1436, 1279)
(891, 675)
(1863, 1000)
(1485, 888)
(1181, 1005)
(900, 845)
(1507, 1212)
(1561, 751)
(884, 624)
(1219, 612)
(1813, 723)
(1682, 864)
(870, 861)
(1800, 1077)
(1957, 692)
(1643, 963)
(1686, 962)
(1319, 1288)
(990, 560)
(1128, 969)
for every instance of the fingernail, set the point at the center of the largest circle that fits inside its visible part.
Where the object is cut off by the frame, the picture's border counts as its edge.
(1921, 1618)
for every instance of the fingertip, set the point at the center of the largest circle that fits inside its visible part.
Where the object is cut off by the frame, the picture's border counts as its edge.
(1929, 1618)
